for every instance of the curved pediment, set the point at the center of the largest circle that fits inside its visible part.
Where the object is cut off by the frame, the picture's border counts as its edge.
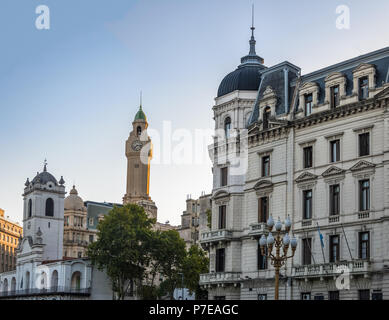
(306, 176)
(334, 75)
(221, 194)
(263, 184)
(333, 171)
(309, 85)
(362, 165)
(363, 66)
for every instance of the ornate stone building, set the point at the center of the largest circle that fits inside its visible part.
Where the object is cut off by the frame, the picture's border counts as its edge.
(194, 219)
(314, 147)
(77, 236)
(10, 234)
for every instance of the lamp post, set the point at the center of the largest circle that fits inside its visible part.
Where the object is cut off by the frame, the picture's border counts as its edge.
(281, 242)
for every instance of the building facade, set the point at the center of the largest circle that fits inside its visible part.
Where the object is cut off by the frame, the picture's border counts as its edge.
(313, 147)
(194, 219)
(77, 235)
(42, 272)
(10, 234)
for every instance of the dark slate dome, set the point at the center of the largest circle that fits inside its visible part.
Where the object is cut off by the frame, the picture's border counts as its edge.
(246, 77)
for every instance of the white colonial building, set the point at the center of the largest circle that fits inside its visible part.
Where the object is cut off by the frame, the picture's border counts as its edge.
(42, 272)
(313, 147)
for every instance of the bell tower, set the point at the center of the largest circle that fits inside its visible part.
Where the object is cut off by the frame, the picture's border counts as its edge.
(139, 155)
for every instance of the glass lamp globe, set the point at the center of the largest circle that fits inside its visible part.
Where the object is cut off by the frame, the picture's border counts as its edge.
(288, 223)
(279, 225)
(293, 243)
(286, 240)
(270, 239)
(262, 241)
(270, 222)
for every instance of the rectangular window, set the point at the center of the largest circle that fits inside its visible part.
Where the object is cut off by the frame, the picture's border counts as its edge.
(263, 209)
(220, 260)
(377, 295)
(222, 217)
(308, 152)
(224, 172)
(335, 150)
(266, 166)
(307, 204)
(334, 96)
(262, 297)
(334, 248)
(262, 260)
(364, 144)
(308, 104)
(334, 200)
(364, 195)
(364, 245)
(364, 294)
(307, 243)
(333, 295)
(306, 296)
(363, 88)
(90, 238)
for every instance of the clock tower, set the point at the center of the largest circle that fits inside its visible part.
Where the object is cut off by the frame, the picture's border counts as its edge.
(139, 154)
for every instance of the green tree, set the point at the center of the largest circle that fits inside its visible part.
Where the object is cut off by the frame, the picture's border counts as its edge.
(119, 251)
(169, 256)
(195, 263)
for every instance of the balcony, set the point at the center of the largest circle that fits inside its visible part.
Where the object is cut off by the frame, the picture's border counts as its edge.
(357, 267)
(81, 243)
(258, 229)
(219, 277)
(43, 292)
(215, 236)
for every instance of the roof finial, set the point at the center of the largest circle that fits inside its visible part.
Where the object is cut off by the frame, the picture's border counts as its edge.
(45, 165)
(140, 104)
(252, 40)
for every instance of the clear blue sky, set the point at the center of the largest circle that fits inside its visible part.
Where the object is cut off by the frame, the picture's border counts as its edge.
(69, 94)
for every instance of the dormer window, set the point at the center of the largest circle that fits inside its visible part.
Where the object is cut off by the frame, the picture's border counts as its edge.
(363, 88)
(266, 116)
(334, 96)
(227, 127)
(308, 104)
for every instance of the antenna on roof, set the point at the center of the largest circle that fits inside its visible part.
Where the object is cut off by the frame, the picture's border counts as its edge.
(45, 165)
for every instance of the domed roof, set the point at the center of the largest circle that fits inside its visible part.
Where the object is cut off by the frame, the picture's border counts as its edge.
(44, 177)
(73, 201)
(140, 115)
(246, 77)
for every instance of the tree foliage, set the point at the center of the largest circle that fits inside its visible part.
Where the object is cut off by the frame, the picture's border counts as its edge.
(120, 247)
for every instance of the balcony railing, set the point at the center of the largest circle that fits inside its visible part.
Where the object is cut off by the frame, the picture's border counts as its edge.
(331, 269)
(214, 236)
(49, 291)
(76, 242)
(219, 277)
(257, 229)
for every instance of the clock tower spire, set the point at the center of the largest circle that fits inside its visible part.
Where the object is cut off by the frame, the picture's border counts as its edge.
(139, 155)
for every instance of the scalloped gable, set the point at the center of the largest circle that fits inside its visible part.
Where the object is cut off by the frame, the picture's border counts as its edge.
(361, 165)
(306, 176)
(263, 184)
(332, 171)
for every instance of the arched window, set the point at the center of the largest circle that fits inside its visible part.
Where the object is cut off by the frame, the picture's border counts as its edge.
(54, 281)
(5, 285)
(29, 208)
(138, 131)
(13, 284)
(266, 116)
(43, 281)
(49, 207)
(27, 284)
(227, 127)
(76, 281)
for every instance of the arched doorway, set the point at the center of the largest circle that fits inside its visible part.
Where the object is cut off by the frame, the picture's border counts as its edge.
(5, 286)
(13, 285)
(54, 281)
(43, 281)
(76, 281)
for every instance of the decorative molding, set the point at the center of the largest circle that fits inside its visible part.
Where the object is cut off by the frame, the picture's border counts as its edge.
(363, 165)
(333, 171)
(306, 176)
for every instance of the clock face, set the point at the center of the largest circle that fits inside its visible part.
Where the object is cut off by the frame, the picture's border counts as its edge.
(136, 145)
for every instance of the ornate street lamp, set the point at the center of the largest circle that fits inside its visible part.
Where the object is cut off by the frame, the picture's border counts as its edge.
(281, 242)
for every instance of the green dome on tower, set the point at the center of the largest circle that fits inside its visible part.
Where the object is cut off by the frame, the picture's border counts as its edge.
(140, 115)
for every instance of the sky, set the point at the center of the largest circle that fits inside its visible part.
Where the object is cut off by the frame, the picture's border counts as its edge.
(69, 94)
